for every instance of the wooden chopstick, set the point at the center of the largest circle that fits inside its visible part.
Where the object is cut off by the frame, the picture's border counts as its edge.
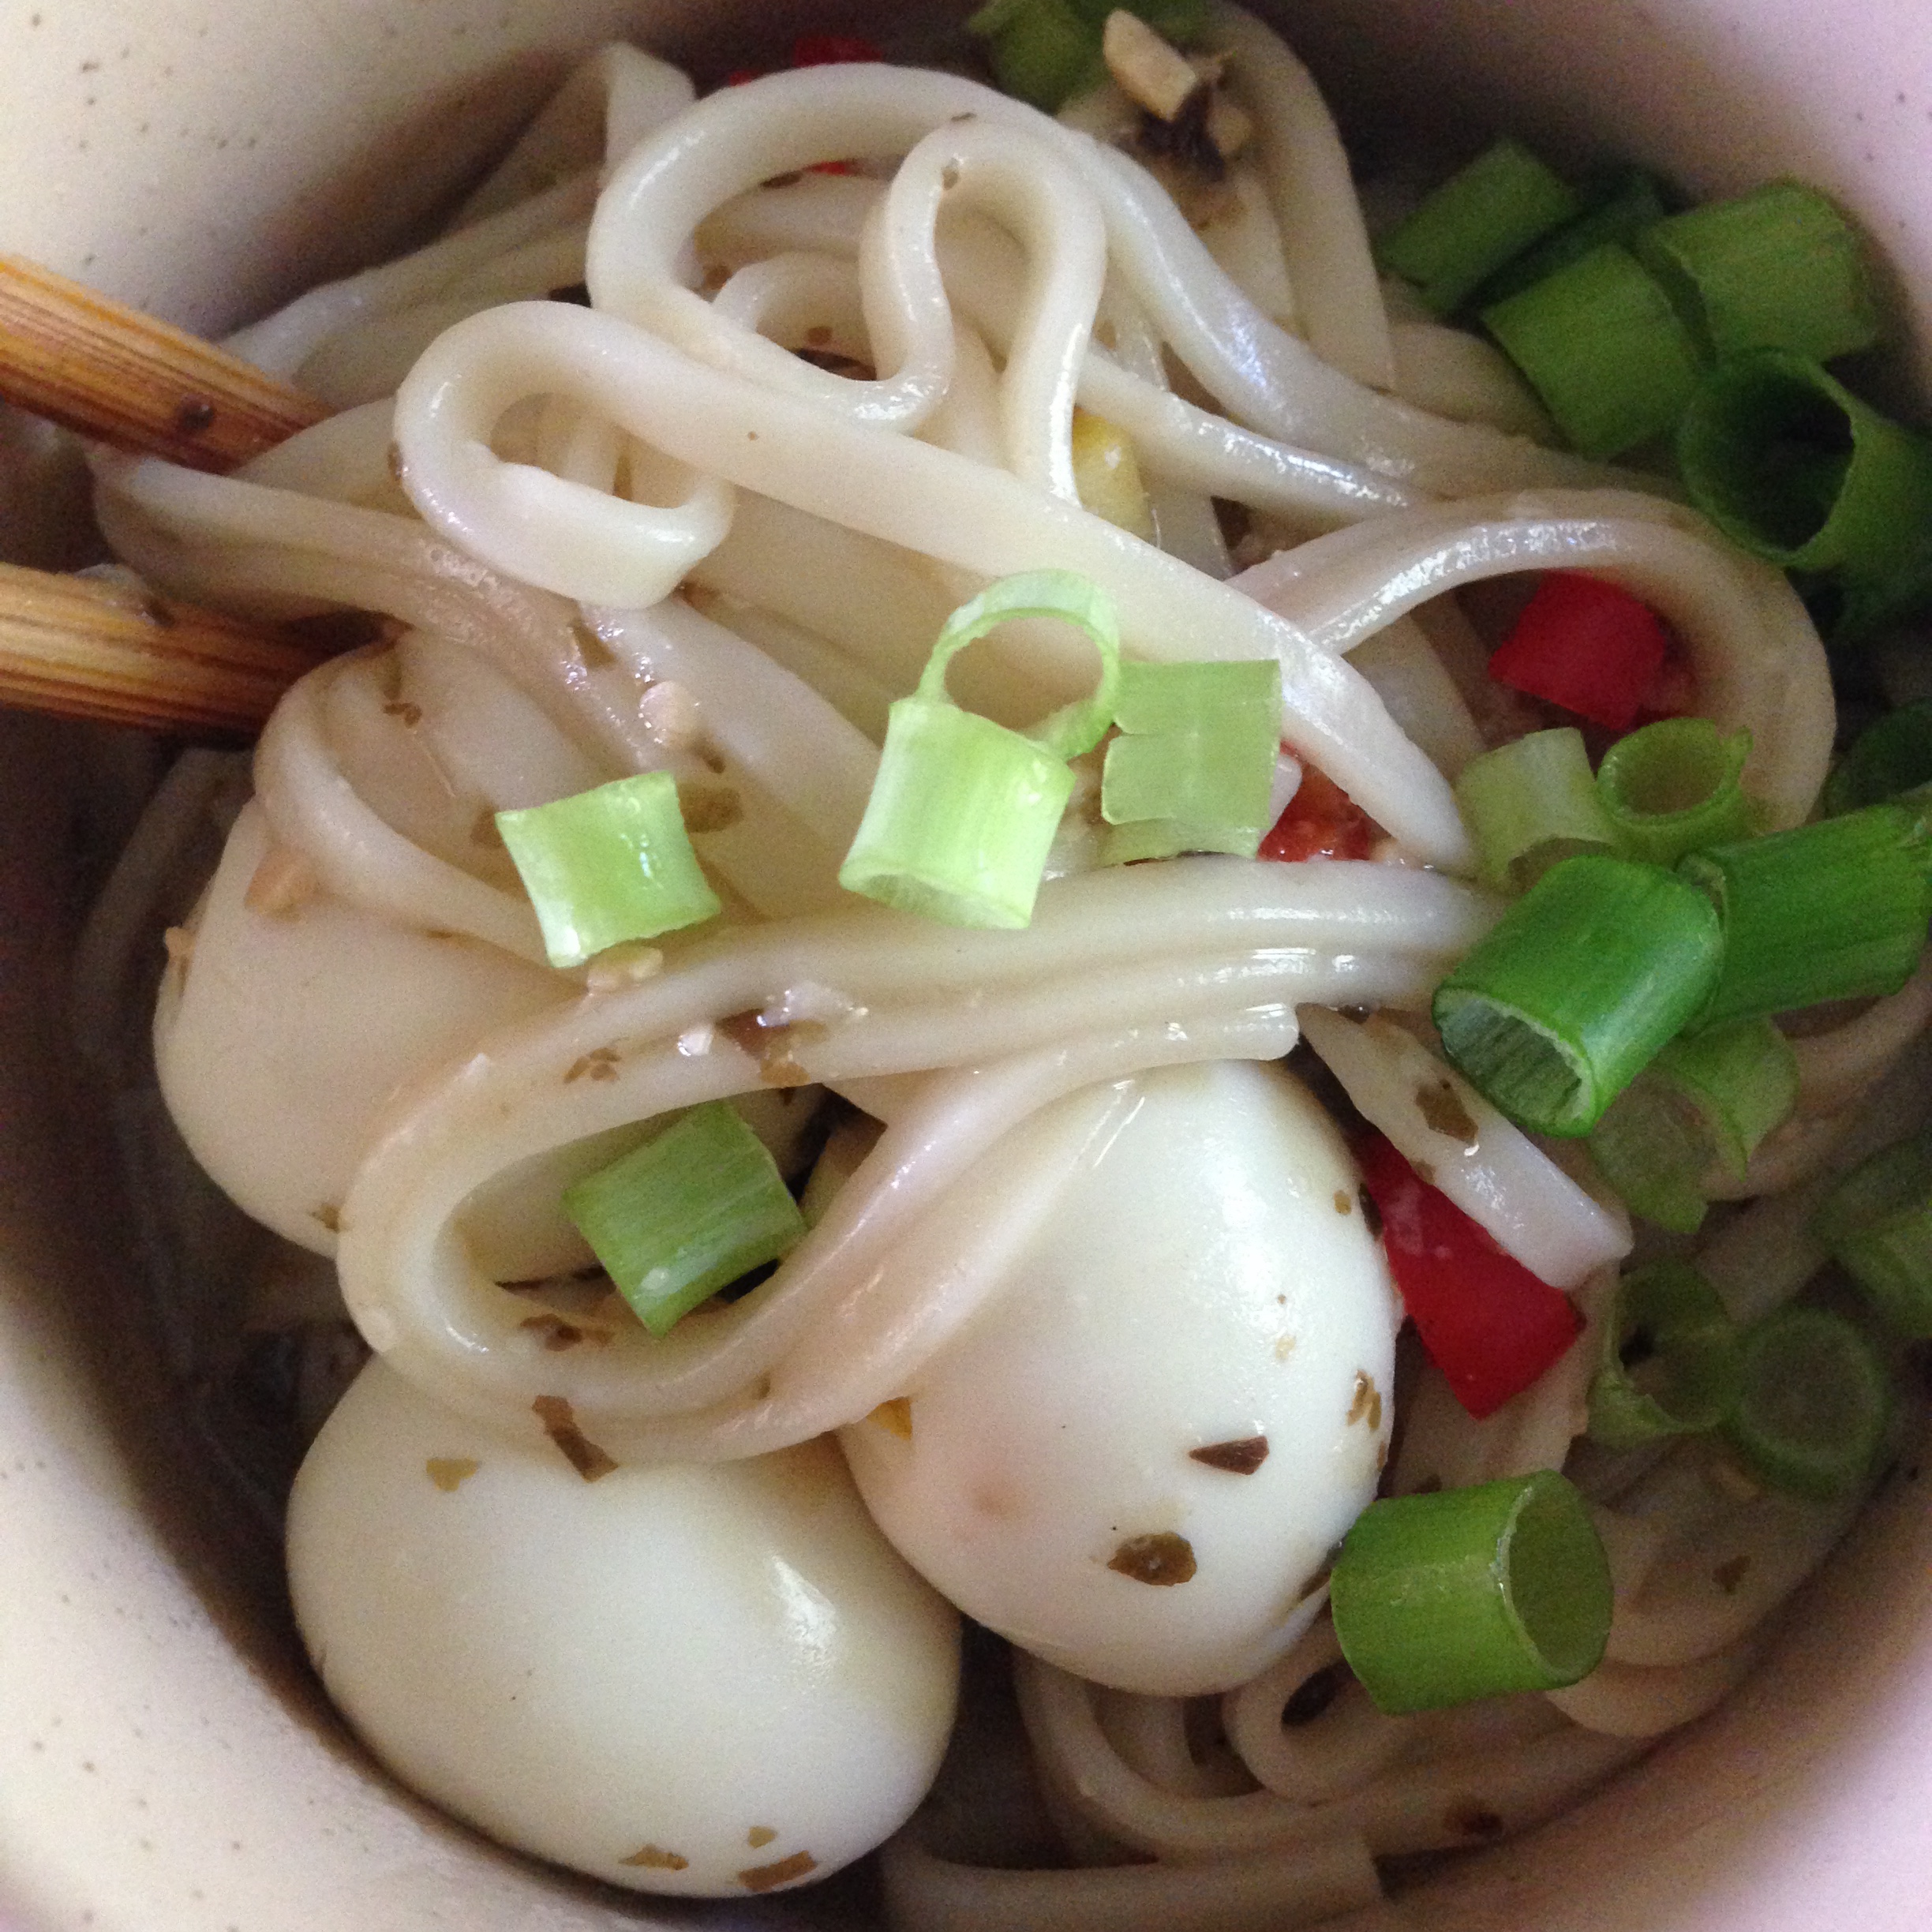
(83, 648)
(123, 377)
(88, 649)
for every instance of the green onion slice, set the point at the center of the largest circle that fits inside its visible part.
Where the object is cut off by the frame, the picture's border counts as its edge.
(1877, 1224)
(1675, 785)
(1465, 1593)
(1478, 219)
(1530, 804)
(1891, 756)
(1603, 347)
(1197, 754)
(1670, 1359)
(1042, 51)
(1618, 203)
(1777, 268)
(1708, 1097)
(686, 1214)
(963, 811)
(1813, 1402)
(1576, 988)
(608, 865)
(1831, 910)
(1794, 468)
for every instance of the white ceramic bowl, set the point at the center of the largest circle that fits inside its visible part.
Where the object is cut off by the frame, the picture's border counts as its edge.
(162, 1767)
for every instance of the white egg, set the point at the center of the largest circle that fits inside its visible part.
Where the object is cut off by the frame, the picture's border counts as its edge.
(713, 1680)
(1082, 1466)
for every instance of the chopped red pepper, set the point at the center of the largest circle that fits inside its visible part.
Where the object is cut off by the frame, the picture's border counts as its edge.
(1488, 1324)
(830, 50)
(1321, 822)
(1586, 645)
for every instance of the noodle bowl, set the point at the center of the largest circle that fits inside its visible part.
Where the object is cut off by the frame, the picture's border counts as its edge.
(1229, 998)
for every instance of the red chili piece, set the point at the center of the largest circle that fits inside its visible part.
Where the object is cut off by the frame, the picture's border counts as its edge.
(829, 49)
(1489, 1325)
(1321, 822)
(1586, 645)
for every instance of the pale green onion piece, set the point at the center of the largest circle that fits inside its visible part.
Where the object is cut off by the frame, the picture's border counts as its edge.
(608, 865)
(1673, 786)
(1443, 1598)
(1777, 268)
(1575, 990)
(1670, 1359)
(686, 1214)
(1530, 804)
(1877, 1224)
(1478, 219)
(1707, 1097)
(963, 811)
(1603, 347)
(1813, 1402)
(1196, 754)
(1041, 51)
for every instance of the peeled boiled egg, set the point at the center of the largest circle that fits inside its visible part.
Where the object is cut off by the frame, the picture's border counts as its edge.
(1135, 1460)
(716, 1679)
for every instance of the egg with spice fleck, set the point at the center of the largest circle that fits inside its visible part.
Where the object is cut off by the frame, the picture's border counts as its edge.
(718, 1680)
(1135, 1458)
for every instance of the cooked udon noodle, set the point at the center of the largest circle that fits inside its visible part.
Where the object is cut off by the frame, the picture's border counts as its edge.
(647, 534)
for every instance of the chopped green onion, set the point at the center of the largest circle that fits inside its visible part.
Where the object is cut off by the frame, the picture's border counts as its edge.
(1891, 756)
(1530, 804)
(1794, 468)
(1867, 609)
(608, 865)
(1196, 754)
(1505, 199)
(1673, 786)
(1576, 988)
(1877, 1224)
(1042, 51)
(1440, 1599)
(1835, 910)
(1707, 1097)
(963, 811)
(1617, 205)
(1670, 1359)
(1777, 268)
(1812, 1405)
(686, 1214)
(1603, 347)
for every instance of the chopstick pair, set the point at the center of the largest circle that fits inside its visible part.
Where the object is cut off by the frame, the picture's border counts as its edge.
(95, 649)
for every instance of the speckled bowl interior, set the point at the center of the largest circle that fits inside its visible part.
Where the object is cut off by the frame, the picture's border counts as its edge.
(163, 1766)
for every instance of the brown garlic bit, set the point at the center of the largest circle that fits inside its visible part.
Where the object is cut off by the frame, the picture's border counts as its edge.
(1441, 1105)
(283, 882)
(327, 1215)
(1368, 1403)
(599, 1063)
(895, 1417)
(410, 714)
(651, 1859)
(449, 1473)
(772, 1046)
(1344, 1202)
(628, 964)
(768, 1878)
(557, 1334)
(759, 1836)
(1163, 1558)
(1730, 1574)
(1242, 1457)
(576, 1448)
(1229, 127)
(1145, 68)
(1469, 1817)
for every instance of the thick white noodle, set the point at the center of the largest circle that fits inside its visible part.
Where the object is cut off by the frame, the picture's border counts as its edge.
(1756, 657)
(1492, 1171)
